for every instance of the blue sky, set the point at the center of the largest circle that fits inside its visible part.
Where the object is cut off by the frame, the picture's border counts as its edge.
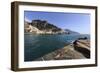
(78, 22)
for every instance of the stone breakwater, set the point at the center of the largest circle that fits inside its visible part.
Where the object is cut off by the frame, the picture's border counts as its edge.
(78, 50)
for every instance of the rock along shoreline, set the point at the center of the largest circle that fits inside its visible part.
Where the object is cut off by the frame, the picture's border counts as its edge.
(79, 49)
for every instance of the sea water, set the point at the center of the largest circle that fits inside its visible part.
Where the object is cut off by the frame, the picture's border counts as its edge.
(36, 46)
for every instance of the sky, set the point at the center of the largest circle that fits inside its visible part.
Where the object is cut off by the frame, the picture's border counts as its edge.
(79, 22)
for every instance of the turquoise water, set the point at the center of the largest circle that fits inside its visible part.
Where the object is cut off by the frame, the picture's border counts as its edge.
(39, 45)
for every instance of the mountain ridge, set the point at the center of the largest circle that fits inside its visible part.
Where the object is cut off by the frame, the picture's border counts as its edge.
(43, 27)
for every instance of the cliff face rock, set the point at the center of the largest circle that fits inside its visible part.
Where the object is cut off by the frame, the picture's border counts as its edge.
(43, 27)
(29, 28)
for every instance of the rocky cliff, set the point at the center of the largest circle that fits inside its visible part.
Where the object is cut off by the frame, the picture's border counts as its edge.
(43, 27)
